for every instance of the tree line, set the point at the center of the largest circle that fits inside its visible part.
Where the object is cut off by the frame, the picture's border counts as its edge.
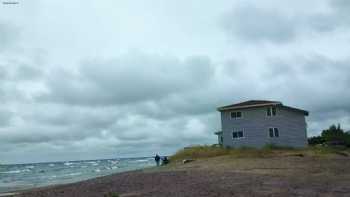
(334, 135)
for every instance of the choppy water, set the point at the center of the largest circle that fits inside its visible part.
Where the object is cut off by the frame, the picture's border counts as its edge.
(25, 176)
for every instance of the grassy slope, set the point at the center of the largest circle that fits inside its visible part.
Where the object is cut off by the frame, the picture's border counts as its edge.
(309, 164)
(313, 171)
(202, 152)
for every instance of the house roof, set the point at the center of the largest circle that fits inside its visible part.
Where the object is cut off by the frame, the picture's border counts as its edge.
(248, 104)
(259, 103)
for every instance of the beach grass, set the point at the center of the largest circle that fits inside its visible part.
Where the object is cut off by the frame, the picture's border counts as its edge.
(270, 150)
(111, 194)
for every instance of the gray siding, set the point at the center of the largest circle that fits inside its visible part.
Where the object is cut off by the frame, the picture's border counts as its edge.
(255, 124)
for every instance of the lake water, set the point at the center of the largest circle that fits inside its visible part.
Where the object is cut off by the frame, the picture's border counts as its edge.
(26, 176)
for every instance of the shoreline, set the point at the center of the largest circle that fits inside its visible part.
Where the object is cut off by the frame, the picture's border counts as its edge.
(48, 187)
(26, 177)
(219, 176)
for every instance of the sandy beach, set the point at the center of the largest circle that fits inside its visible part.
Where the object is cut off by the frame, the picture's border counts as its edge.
(220, 176)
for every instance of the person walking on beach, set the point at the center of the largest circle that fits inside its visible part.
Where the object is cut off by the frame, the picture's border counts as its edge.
(157, 158)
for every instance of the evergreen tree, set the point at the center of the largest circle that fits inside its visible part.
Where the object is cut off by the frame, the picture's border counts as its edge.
(334, 133)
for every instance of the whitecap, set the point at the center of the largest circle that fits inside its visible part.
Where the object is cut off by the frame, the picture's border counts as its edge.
(114, 162)
(92, 163)
(51, 165)
(12, 172)
(75, 174)
(30, 167)
(26, 170)
(97, 170)
(68, 163)
(142, 160)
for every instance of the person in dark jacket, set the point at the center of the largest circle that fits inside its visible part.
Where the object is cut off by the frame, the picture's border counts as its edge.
(165, 160)
(157, 159)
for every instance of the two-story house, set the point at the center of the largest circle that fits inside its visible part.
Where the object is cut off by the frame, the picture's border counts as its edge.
(256, 123)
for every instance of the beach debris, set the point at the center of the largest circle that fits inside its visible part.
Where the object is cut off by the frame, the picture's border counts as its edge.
(342, 153)
(295, 155)
(187, 160)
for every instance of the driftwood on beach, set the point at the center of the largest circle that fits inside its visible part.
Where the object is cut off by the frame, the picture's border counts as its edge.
(187, 160)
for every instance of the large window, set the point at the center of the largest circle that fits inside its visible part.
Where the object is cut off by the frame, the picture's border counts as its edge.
(271, 111)
(236, 134)
(273, 132)
(236, 114)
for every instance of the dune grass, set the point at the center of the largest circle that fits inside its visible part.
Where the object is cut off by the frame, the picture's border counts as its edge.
(270, 150)
(111, 194)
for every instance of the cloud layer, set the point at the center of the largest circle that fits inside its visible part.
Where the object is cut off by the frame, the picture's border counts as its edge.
(135, 82)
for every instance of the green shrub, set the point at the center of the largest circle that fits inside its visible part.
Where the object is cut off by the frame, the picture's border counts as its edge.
(315, 140)
(111, 194)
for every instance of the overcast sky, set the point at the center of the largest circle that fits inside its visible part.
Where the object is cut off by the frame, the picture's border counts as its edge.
(104, 79)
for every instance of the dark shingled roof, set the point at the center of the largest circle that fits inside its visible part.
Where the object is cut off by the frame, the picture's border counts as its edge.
(259, 103)
(251, 102)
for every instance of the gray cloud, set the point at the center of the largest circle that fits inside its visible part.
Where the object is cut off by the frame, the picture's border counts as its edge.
(19, 71)
(258, 23)
(72, 91)
(336, 18)
(8, 35)
(128, 79)
(253, 24)
(5, 118)
(20, 79)
(28, 72)
(342, 6)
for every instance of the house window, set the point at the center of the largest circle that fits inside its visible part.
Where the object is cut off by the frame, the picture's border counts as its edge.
(236, 114)
(237, 134)
(271, 111)
(273, 132)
